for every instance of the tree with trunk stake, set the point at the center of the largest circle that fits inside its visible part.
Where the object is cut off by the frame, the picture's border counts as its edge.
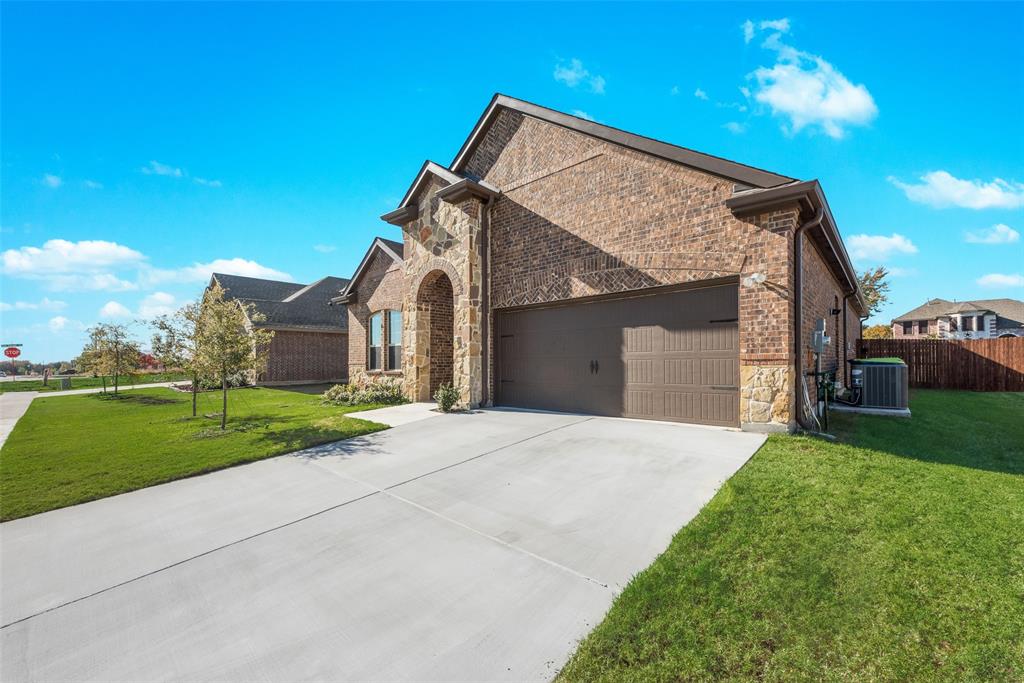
(229, 341)
(176, 343)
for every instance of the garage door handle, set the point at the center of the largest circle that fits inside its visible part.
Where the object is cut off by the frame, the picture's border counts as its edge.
(725, 388)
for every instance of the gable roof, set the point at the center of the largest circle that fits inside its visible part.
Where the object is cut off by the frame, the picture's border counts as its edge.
(289, 305)
(391, 248)
(1010, 311)
(740, 173)
(256, 288)
(458, 187)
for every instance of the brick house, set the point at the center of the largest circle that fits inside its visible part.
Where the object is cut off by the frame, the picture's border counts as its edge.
(561, 264)
(310, 342)
(979, 319)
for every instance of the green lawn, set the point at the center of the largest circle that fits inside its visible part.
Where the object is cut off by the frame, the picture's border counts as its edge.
(894, 555)
(89, 382)
(71, 449)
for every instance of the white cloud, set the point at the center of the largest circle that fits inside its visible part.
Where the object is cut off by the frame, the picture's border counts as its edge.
(324, 248)
(583, 115)
(896, 271)
(879, 247)
(806, 89)
(999, 280)
(58, 323)
(735, 127)
(201, 272)
(112, 310)
(97, 282)
(63, 256)
(1000, 233)
(92, 185)
(575, 74)
(780, 25)
(748, 30)
(51, 180)
(44, 305)
(208, 183)
(156, 168)
(940, 189)
(157, 303)
(674, 90)
(700, 94)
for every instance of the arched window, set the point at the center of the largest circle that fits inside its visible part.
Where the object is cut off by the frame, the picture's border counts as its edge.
(376, 334)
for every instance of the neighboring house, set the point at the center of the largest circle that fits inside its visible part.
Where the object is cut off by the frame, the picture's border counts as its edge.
(310, 336)
(979, 319)
(561, 264)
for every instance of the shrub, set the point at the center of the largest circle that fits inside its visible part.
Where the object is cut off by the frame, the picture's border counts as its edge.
(239, 379)
(387, 391)
(446, 396)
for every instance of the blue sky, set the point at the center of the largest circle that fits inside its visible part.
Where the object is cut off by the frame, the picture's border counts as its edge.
(145, 144)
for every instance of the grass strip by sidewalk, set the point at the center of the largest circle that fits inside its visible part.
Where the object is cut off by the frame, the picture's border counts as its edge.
(53, 384)
(895, 555)
(72, 449)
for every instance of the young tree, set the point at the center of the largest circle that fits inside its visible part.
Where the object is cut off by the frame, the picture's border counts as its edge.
(176, 343)
(875, 288)
(229, 343)
(878, 332)
(110, 351)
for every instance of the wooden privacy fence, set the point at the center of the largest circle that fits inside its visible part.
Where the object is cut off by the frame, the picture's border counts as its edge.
(974, 365)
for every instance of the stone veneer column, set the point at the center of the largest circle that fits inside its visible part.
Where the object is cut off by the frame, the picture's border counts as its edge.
(445, 237)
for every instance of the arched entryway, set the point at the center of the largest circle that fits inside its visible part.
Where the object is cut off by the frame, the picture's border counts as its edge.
(435, 321)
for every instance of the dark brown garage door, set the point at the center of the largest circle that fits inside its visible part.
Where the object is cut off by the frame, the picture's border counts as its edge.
(671, 356)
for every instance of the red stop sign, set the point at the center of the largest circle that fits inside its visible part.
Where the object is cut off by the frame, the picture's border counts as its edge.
(12, 352)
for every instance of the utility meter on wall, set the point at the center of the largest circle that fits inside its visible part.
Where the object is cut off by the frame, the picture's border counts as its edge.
(819, 340)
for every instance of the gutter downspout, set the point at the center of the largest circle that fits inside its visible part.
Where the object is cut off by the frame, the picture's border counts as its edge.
(485, 301)
(798, 266)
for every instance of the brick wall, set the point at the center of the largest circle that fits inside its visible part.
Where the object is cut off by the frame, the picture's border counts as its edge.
(380, 289)
(581, 217)
(821, 290)
(307, 357)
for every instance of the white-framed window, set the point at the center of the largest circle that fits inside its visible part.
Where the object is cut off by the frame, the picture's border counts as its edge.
(394, 340)
(376, 335)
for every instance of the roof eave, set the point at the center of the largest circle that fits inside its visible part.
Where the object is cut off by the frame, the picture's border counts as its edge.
(466, 189)
(401, 216)
(809, 195)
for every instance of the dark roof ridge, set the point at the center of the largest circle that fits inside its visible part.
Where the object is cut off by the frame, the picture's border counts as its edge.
(709, 163)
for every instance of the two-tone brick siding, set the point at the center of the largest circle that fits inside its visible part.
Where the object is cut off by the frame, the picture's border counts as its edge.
(306, 357)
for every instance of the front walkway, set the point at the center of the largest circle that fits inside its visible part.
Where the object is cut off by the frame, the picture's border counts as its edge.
(478, 546)
(393, 416)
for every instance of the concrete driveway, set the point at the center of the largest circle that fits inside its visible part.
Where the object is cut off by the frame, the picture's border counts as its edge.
(462, 547)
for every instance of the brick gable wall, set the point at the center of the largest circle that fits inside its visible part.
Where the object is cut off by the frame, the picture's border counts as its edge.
(306, 357)
(380, 289)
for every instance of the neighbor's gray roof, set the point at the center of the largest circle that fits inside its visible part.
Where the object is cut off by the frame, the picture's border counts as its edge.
(1010, 311)
(288, 304)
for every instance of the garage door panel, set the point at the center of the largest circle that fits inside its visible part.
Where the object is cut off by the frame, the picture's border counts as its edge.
(681, 370)
(668, 356)
(719, 371)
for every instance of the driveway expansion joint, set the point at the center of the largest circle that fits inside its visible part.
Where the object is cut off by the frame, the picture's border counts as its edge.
(311, 515)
